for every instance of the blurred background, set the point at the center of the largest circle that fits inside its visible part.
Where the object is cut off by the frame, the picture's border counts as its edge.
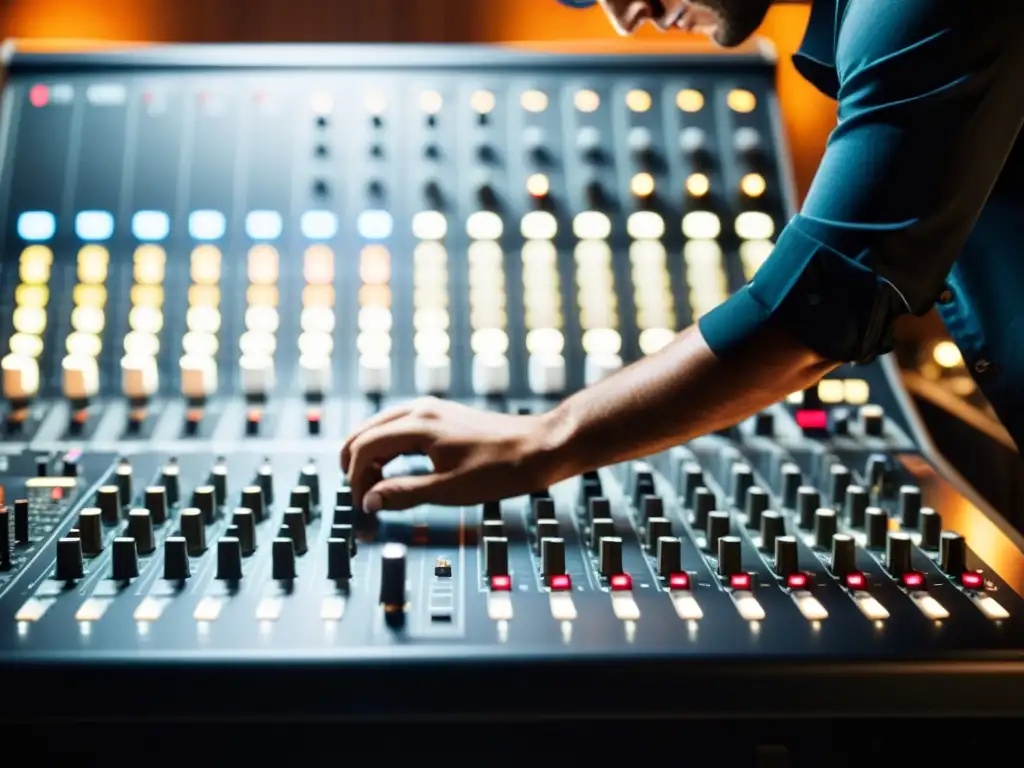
(947, 397)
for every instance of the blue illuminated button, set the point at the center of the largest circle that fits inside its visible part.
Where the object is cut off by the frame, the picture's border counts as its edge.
(375, 225)
(36, 226)
(151, 226)
(263, 225)
(319, 225)
(207, 225)
(94, 225)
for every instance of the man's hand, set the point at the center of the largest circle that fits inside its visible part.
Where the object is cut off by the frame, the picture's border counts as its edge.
(477, 455)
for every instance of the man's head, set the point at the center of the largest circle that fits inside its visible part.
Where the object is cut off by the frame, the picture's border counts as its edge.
(727, 22)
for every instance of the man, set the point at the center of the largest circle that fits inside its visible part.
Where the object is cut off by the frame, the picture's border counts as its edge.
(905, 213)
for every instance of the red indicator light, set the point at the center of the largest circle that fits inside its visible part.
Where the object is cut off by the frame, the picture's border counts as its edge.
(797, 580)
(679, 581)
(39, 95)
(621, 582)
(740, 581)
(57, 494)
(313, 416)
(856, 581)
(972, 580)
(913, 580)
(812, 419)
(501, 583)
(561, 582)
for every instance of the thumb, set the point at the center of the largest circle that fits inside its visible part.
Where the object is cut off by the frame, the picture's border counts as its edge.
(400, 493)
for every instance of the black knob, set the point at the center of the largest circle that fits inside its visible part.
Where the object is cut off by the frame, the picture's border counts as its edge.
(756, 504)
(432, 194)
(598, 508)
(792, 479)
(219, 482)
(772, 526)
(343, 497)
(873, 420)
(392, 577)
(156, 503)
(856, 505)
(265, 480)
(492, 528)
(69, 560)
(123, 481)
(876, 469)
(718, 526)
(486, 197)
(844, 554)
(252, 499)
(657, 527)
(345, 516)
(194, 530)
(786, 556)
(90, 531)
(730, 560)
(742, 479)
(21, 521)
(808, 500)
(692, 478)
(825, 527)
(643, 486)
(877, 522)
(546, 529)
(898, 553)
(651, 506)
(229, 559)
(69, 465)
(348, 533)
(952, 553)
(931, 528)
(496, 556)
(42, 466)
(295, 521)
(125, 559)
(840, 418)
(839, 479)
(302, 499)
(670, 556)
(170, 479)
(764, 424)
(282, 553)
(140, 528)
(176, 565)
(108, 499)
(543, 509)
(590, 488)
(704, 503)
(610, 559)
(910, 506)
(245, 521)
(552, 558)
(492, 510)
(204, 499)
(602, 528)
(339, 559)
(310, 478)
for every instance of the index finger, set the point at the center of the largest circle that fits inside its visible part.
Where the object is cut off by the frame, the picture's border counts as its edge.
(377, 420)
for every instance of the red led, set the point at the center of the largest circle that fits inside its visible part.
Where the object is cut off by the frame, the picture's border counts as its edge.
(740, 581)
(797, 580)
(913, 580)
(621, 582)
(972, 580)
(39, 95)
(679, 581)
(812, 419)
(561, 582)
(501, 583)
(856, 581)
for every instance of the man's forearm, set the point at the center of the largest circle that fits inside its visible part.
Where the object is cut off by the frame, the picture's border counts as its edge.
(680, 393)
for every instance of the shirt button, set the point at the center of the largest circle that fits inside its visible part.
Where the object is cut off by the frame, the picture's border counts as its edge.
(981, 366)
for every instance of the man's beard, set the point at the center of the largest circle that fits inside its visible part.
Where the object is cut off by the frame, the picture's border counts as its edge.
(737, 19)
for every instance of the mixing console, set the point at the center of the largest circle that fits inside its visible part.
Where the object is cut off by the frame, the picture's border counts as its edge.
(217, 261)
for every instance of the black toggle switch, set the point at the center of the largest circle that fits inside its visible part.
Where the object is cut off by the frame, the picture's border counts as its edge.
(657, 527)
(825, 526)
(704, 503)
(176, 565)
(773, 525)
(839, 479)
(170, 479)
(755, 505)
(123, 481)
(844, 554)
(877, 523)
(283, 559)
(598, 508)
(252, 499)
(245, 521)
(792, 480)
(194, 530)
(302, 499)
(601, 528)
(392, 577)
(552, 558)
(496, 556)
(156, 503)
(910, 506)
(219, 482)
(348, 533)
(931, 528)
(69, 560)
(229, 559)
(543, 509)
(204, 499)
(857, 502)
(670, 556)
(610, 559)
(265, 480)
(140, 528)
(125, 560)
(786, 556)
(109, 502)
(21, 521)
(651, 506)
(310, 478)
(339, 559)
(730, 561)
(808, 500)
(546, 529)
(491, 510)
(952, 553)
(898, 553)
(90, 531)
(742, 479)
(718, 526)
(692, 479)
(295, 519)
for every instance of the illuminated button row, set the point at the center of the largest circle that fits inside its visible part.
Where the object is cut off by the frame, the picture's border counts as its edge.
(317, 321)
(374, 340)
(430, 313)
(258, 342)
(653, 295)
(542, 298)
(80, 370)
(488, 318)
(705, 276)
(139, 369)
(201, 343)
(598, 308)
(20, 367)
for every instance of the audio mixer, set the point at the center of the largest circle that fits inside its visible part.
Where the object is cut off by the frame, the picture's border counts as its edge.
(219, 260)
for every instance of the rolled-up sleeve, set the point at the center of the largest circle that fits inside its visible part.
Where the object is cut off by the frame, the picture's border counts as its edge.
(931, 100)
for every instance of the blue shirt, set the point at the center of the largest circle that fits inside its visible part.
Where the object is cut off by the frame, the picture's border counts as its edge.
(919, 198)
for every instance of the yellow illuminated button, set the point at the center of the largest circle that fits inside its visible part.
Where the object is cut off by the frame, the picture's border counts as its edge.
(431, 102)
(753, 185)
(624, 606)
(686, 606)
(642, 185)
(689, 100)
(92, 609)
(742, 101)
(809, 606)
(150, 609)
(991, 608)
(33, 609)
(482, 102)
(638, 101)
(748, 606)
(870, 607)
(929, 606)
(499, 606)
(562, 606)
(697, 185)
(534, 101)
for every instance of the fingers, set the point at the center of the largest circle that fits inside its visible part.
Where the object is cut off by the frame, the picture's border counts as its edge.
(400, 493)
(377, 446)
(377, 420)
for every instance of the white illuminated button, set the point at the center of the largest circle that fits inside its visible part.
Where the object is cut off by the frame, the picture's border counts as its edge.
(208, 609)
(754, 225)
(151, 226)
(490, 374)
(701, 225)
(484, 225)
(332, 608)
(692, 140)
(562, 606)
(269, 609)
(539, 225)
(81, 377)
(32, 609)
(433, 374)
(375, 225)
(258, 375)
(870, 607)
(36, 226)
(546, 374)
(198, 376)
(316, 373)
(929, 606)
(139, 377)
(748, 607)
(92, 609)
(639, 139)
(686, 606)
(499, 606)
(263, 225)
(318, 225)
(150, 609)
(600, 366)
(588, 138)
(207, 225)
(20, 377)
(374, 374)
(991, 608)
(624, 606)
(93, 226)
(809, 606)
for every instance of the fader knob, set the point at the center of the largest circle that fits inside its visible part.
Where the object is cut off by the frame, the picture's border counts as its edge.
(651, 506)
(170, 477)
(546, 529)
(839, 479)
(610, 558)
(876, 469)
(643, 485)
(69, 560)
(108, 499)
(193, 529)
(824, 527)
(245, 521)
(601, 528)
(123, 480)
(877, 523)
(872, 418)
(910, 506)
(597, 367)
(657, 528)
(590, 488)
(229, 559)
(552, 557)
(301, 498)
(176, 565)
(546, 374)
(786, 556)
(898, 553)
(844, 554)
(742, 479)
(140, 528)
(496, 556)
(670, 556)
(295, 521)
(156, 503)
(204, 499)
(339, 559)
(931, 528)
(491, 510)
(718, 526)
(348, 533)
(730, 560)
(21, 521)
(756, 504)
(598, 508)
(692, 479)
(791, 484)
(808, 500)
(490, 374)
(252, 499)
(433, 374)
(764, 424)
(494, 529)
(392, 577)
(90, 531)
(704, 503)
(952, 553)
(772, 526)
(282, 553)
(543, 509)
(309, 478)
(856, 506)
(343, 497)
(125, 561)
(265, 480)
